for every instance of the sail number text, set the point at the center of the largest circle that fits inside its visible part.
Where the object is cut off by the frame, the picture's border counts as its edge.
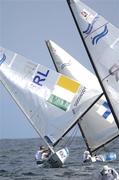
(40, 77)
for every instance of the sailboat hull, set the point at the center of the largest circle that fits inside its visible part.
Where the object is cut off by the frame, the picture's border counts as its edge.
(56, 160)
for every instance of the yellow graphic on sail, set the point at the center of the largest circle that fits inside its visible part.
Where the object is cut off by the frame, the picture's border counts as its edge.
(64, 92)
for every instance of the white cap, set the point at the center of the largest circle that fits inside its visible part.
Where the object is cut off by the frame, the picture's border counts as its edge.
(86, 152)
(105, 169)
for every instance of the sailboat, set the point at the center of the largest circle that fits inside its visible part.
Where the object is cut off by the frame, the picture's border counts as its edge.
(48, 99)
(101, 41)
(97, 126)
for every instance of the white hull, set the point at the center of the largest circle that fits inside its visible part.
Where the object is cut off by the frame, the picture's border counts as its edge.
(56, 160)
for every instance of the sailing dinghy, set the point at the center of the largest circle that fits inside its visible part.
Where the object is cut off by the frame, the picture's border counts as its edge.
(101, 41)
(98, 126)
(48, 99)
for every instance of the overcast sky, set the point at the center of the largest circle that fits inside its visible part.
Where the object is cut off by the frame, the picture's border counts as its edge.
(24, 26)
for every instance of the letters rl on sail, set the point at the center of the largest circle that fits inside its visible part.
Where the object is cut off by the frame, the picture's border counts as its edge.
(64, 92)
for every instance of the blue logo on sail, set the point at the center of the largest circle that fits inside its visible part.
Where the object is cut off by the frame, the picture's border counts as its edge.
(90, 26)
(90, 29)
(107, 112)
(65, 64)
(2, 58)
(99, 36)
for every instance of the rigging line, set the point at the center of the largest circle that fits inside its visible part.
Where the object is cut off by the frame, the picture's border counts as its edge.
(72, 136)
(68, 140)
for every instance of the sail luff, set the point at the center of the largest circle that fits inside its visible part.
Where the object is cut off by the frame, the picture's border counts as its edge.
(51, 55)
(94, 67)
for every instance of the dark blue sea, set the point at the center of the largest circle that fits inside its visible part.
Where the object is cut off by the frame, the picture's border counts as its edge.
(17, 161)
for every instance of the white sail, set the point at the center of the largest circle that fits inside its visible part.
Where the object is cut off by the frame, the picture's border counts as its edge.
(47, 98)
(101, 40)
(97, 124)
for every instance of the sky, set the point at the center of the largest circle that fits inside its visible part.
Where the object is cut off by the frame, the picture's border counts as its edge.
(24, 27)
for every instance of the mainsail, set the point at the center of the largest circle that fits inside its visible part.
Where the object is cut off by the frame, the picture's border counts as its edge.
(97, 125)
(48, 99)
(101, 40)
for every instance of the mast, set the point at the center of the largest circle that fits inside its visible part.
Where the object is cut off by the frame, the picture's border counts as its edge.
(83, 135)
(91, 60)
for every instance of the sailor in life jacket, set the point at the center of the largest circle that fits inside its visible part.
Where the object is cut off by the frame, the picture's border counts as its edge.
(87, 157)
(108, 173)
(42, 154)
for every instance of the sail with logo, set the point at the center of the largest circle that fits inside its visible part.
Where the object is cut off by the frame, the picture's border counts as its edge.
(101, 40)
(47, 98)
(97, 125)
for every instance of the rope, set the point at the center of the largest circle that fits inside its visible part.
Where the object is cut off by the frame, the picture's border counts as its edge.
(69, 141)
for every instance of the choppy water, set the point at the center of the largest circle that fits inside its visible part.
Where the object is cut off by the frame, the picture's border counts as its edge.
(17, 162)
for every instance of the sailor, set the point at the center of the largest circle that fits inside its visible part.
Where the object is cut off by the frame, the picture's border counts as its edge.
(45, 154)
(87, 157)
(42, 154)
(108, 173)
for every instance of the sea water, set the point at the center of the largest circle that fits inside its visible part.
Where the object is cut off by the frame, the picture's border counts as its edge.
(17, 161)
